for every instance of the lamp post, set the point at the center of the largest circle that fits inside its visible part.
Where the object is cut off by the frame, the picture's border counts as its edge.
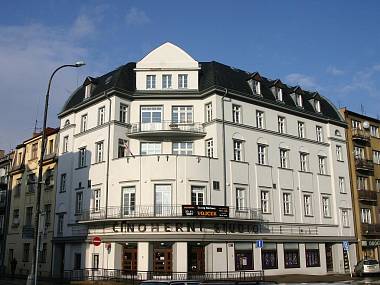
(33, 272)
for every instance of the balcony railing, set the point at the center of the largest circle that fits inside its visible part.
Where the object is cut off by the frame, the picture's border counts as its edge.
(27, 232)
(166, 128)
(367, 195)
(171, 211)
(363, 164)
(370, 229)
(360, 135)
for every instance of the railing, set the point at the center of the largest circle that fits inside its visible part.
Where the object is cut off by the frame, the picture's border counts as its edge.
(367, 195)
(360, 134)
(149, 211)
(370, 229)
(166, 126)
(122, 275)
(27, 232)
(364, 164)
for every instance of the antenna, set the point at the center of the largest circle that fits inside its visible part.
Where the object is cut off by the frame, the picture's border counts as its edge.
(35, 127)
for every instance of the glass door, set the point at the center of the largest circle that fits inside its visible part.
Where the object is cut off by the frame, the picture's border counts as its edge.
(129, 201)
(151, 118)
(163, 200)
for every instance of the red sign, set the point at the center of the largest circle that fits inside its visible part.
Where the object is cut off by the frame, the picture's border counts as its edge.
(96, 241)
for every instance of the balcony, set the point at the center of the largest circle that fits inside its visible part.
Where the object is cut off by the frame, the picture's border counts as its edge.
(27, 232)
(367, 195)
(159, 212)
(166, 129)
(360, 135)
(363, 164)
(370, 229)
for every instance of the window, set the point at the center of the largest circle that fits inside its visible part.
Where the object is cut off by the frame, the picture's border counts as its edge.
(260, 120)
(284, 158)
(281, 125)
(339, 153)
(377, 184)
(151, 117)
(19, 158)
(49, 178)
(121, 148)
(319, 133)
(101, 115)
(96, 200)
(262, 154)
(256, 87)
(166, 81)
(238, 150)
(279, 94)
(312, 255)
(374, 130)
(25, 252)
(304, 161)
(60, 224)
(50, 147)
(345, 219)
(287, 203)
(162, 199)
(150, 81)
(291, 255)
(299, 100)
(241, 199)
(317, 105)
(88, 90)
(77, 261)
(185, 148)
(326, 211)
(208, 112)
(243, 256)
(43, 254)
(28, 216)
(209, 148)
(269, 256)
(366, 217)
(182, 114)
(322, 164)
(359, 152)
(65, 145)
(18, 187)
(216, 185)
(99, 147)
(62, 187)
(361, 182)
(129, 200)
(376, 156)
(78, 202)
(82, 157)
(182, 81)
(197, 195)
(123, 113)
(95, 261)
(236, 113)
(301, 129)
(83, 123)
(265, 202)
(31, 183)
(342, 185)
(356, 124)
(34, 152)
(308, 205)
(47, 210)
(148, 148)
(16, 217)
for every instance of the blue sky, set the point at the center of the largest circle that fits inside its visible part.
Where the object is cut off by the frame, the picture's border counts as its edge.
(329, 46)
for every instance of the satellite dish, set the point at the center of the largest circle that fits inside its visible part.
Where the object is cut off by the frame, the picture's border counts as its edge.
(366, 125)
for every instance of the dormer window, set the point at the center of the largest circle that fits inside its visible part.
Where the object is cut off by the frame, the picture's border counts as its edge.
(150, 81)
(299, 100)
(182, 81)
(166, 81)
(278, 91)
(317, 105)
(88, 90)
(256, 87)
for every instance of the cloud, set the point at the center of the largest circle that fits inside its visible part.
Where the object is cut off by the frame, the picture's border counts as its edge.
(303, 80)
(332, 70)
(83, 26)
(136, 16)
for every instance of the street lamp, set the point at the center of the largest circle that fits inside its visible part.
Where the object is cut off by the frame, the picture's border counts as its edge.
(33, 272)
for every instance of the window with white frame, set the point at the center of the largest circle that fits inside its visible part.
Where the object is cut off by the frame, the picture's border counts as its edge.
(366, 216)
(308, 205)
(96, 200)
(166, 81)
(236, 113)
(208, 112)
(123, 113)
(304, 161)
(150, 81)
(278, 92)
(197, 195)
(238, 150)
(326, 210)
(209, 148)
(83, 123)
(88, 90)
(182, 81)
(151, 117)
(284, 158)
(299, 100)
(342, 184)
(362, 182)
(148, 148)
(287, 203)
(79, 202)
(356, 124)
(281, 121)
(256, 87)
(99, 149)
(322, 164)
(319, 133)
(101, 115)
(301, 129)
(262, 154)
(65, 144)
(82, 157)
(265, 202)
(185, 148)
(317, 106)
(345, 218)
(359, 152)
(376, 156)
(260, 121)
(374, 130)
(62, 187)
(182, 114)
(122, 150)
(129, 200)
(241, 199)
(377, 184)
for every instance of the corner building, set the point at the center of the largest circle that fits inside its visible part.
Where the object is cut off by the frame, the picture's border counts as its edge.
(182, 166)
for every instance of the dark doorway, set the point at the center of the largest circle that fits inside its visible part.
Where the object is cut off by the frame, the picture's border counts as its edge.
(329, 257)
(196, 258)
(129, 258)
(162, 258)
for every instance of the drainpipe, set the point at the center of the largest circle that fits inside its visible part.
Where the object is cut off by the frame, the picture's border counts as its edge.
(224, 149)
(108, 152)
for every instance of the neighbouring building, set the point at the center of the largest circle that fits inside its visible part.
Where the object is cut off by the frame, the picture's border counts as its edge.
(186, 166)
(24, 177)
(363, 146)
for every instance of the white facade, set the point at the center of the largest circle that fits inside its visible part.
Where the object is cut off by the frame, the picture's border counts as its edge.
(134, 203)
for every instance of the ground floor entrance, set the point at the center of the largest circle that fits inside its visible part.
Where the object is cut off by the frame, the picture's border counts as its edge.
(129, 258)
(196, 258)
(162, 257)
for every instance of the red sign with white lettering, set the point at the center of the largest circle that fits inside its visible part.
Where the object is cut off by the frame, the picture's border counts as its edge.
(96, 241)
